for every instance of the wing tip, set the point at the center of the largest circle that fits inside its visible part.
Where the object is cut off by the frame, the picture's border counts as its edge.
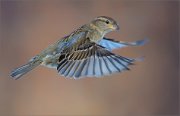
(142, 42)
(139, 59)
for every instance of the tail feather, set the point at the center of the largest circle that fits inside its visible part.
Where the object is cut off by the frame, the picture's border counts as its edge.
(19, 72)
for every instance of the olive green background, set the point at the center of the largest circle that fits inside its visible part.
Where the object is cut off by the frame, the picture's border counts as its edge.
(150, 88)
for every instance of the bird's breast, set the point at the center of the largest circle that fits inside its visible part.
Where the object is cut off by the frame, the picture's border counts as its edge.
(95, 36)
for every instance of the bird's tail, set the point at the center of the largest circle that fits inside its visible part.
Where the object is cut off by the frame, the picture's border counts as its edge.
(19, 72)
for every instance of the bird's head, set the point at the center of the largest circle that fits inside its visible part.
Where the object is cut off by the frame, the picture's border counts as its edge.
(105, 24)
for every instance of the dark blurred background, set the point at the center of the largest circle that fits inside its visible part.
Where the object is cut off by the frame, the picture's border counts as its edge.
(149, 89)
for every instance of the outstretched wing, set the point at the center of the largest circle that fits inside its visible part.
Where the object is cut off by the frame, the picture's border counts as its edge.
(111, 44)
(91, 60)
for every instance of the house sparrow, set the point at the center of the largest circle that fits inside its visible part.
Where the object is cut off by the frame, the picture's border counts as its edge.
(84, 53)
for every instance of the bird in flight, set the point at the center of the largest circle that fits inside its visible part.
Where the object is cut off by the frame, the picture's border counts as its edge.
(86, 52)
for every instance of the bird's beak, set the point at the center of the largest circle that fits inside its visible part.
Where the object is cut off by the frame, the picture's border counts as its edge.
(114, 27)
(117, 27)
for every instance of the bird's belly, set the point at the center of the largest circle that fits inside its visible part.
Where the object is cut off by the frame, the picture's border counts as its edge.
(50, 61)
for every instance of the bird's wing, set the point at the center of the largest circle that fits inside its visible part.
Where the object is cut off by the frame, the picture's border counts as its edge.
(111, 44)
(74, 37)
(91, 60)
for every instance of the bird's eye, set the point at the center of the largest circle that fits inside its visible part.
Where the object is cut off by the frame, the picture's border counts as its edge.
(107, 22)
